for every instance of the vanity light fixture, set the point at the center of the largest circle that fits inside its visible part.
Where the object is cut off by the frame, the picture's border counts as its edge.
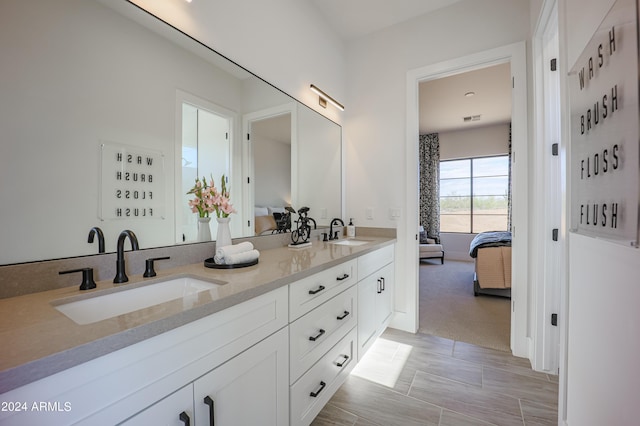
(324, 98)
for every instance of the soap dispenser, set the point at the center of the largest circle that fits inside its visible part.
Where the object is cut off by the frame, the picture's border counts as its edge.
(351, 229)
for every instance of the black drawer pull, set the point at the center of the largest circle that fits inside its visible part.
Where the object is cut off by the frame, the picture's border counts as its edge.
(343, 277)
(384, 287)
(317, 336)
(316, 393)
(210, 403)
(343, 316)
(379, 286)
(346, 358)
(184, 417)
(316, 291)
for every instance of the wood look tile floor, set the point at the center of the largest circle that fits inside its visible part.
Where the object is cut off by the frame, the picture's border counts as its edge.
(419, 379)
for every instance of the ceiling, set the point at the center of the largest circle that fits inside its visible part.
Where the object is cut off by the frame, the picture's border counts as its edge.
(443, 104)
(356, 18)
(442, 101)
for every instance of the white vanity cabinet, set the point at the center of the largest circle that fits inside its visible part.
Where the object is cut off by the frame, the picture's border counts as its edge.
(174, 410)
(375, 295)
(148, 379)
(323, 310)
(249, 389)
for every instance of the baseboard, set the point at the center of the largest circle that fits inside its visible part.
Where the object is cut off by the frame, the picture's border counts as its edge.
(403, 322)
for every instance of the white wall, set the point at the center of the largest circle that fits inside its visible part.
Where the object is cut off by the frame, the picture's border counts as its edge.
(603, 348)
(477, 142)
(375, 122)
(285, 42)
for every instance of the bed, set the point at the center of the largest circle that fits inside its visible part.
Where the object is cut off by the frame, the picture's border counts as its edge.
(492, 254)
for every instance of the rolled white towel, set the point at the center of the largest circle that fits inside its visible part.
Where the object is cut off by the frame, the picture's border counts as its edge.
(223, 252)
(244, 257)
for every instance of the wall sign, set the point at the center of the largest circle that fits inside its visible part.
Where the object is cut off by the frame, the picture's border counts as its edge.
(605, 164)
(132, 183)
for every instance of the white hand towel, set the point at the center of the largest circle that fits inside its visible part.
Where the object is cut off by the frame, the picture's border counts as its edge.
(223, 252)
(244, 257)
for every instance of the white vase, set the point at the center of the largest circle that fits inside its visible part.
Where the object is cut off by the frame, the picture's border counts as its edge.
(224, 233)
(204, 231)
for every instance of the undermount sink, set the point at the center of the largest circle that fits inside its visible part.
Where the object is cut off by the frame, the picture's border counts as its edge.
(125, 300)
(350, 242)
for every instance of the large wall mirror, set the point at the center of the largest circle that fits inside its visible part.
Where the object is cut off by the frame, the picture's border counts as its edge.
(107, 117)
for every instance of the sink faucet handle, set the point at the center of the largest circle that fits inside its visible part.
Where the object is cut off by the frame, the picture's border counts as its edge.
(87, 277)
(149, 271)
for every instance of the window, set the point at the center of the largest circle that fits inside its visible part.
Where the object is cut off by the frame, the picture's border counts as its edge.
(474, 194)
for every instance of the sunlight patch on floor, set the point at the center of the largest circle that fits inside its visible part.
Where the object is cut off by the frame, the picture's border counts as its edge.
(383, 363)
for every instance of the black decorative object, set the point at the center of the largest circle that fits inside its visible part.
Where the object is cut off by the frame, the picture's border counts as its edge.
(210, 263)
(303, 228)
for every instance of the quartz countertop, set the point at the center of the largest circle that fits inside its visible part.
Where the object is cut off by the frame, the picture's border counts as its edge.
(38, 340)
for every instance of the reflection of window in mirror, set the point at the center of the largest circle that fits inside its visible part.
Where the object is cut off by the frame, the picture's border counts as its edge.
(205, 151)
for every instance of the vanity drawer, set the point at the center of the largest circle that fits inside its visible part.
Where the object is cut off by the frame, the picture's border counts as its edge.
(306, 294)
(315, 388)
(371, 262)
(315, 333)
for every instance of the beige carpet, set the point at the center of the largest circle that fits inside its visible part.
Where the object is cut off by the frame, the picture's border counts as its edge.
(449, 309)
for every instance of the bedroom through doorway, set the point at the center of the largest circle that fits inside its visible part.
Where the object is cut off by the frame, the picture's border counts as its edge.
(467, 116)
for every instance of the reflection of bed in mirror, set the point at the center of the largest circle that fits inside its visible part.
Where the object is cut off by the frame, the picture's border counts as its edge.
(102, 77)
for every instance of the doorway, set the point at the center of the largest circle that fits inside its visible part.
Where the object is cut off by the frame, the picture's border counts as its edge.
(407, 318)
(464, 121)
(204, 135)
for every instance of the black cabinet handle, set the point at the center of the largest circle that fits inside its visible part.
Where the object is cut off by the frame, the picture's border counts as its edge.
(317, 336)
(346, 358)
(209, 402)
(343, 277)
(379, 286)
(316, 393)
(184, 417)
(316, 291)
(383, 284)
(343, 316)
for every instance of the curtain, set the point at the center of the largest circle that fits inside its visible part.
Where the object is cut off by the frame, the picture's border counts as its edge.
(509, 186)
(429, 152)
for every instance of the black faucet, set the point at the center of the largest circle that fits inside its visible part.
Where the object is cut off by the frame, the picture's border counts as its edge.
(121, 276)
(92, 233)
(331, 234)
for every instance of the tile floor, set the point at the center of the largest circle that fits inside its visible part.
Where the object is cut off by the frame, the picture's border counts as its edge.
(419, 379)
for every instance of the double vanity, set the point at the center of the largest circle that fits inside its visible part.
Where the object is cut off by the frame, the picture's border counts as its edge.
(268, 344)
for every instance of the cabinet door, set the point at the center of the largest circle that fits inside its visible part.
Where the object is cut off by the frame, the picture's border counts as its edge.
(384, 299)
(250, 389)
(174, 410)
(367, 323)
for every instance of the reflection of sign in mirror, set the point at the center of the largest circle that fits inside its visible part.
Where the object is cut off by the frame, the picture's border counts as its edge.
(605, 130)
(132, 183)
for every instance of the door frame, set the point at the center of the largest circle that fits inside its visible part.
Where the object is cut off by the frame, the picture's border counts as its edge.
(516, 55)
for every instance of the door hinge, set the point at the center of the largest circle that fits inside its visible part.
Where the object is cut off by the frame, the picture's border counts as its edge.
(554, 234)
(554, 320)
(513, 82)
(226, 135)
(248, 224)
(248, 179)
(554, 64)
(554, 149)
(248, 137)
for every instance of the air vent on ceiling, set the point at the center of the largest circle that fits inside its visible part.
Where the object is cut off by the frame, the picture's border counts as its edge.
(471, 118)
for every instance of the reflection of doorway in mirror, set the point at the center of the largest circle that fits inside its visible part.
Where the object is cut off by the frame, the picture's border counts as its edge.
(270, 148)
(206, 151)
